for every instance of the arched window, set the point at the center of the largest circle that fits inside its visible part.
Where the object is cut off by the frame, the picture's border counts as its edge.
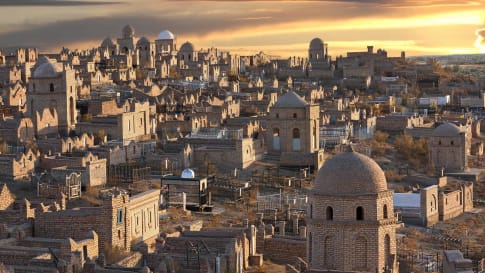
(452, 143)
(329, 213)
(296, 140)
(51, 87)
(359, 214)
(384, 211)
(276, 139)
(295, 115)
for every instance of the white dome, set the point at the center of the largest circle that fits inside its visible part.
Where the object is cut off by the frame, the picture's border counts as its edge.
(166, 35)
(188, 173)
(47, 70)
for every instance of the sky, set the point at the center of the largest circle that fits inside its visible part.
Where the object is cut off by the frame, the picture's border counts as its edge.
(283, 28)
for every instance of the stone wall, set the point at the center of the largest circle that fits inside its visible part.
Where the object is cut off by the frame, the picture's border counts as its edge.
(144, 216)
(111, 222)
(133, 260)
(450, 205)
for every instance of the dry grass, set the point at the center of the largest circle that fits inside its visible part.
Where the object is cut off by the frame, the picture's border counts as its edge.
(113, 254)
(393, 176)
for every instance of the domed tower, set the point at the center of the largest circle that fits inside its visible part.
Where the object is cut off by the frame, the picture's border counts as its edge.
(108, 46)
(187, 53)
(317, 50)
(350, 219)
(293, 131)
(166, 43)
(52, 87)
(127, 41)
(449, 147)
(146, 52)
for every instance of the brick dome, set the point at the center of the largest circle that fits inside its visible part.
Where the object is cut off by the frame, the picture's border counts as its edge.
(290, 100)
(47, 70)
(447, 130)
(350, 173)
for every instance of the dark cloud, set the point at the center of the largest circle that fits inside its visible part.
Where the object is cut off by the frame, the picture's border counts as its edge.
(56, 3)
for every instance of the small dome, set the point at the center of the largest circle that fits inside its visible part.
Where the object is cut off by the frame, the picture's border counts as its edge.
(128, 31)
(188, 173)
(290, 100)
(107, 43)
(47, 70)
(143, 41)
(187, 47)
(316, 43)
(350, 173)
(166, 35)
(447, 130)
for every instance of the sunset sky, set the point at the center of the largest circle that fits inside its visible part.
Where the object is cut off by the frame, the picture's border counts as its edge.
(282, 28)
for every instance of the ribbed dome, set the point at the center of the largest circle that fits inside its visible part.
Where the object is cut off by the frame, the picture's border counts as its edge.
(316, 43)
(187, 47)
(350, 173)
(107, 42)
(143, 41)
(290, 100)
(166, 35)
(447, 130)
(128, 31)
(47, 70)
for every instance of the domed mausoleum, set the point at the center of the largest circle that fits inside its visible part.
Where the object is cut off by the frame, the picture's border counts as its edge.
(293, 127)
(449, 148)
(166, 42)
(350, 217)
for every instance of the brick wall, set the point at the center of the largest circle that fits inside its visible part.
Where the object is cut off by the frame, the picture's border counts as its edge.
(76, 223)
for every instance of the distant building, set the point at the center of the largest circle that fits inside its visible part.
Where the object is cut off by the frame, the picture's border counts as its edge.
(449, 148)
(293, 132)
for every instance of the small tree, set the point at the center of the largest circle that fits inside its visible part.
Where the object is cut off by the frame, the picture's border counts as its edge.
(100, 137)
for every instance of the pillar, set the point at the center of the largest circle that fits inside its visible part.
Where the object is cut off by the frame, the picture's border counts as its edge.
(281, 226)
(252, 241)
(184, 201)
